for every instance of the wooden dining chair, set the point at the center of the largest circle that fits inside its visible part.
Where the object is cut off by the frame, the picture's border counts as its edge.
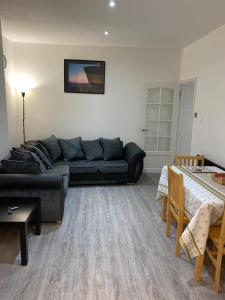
(175, 205)
(187, 160)
(216, 250)
(182, 160)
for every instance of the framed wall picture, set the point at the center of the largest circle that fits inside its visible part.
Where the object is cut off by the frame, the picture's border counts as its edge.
(84, 76)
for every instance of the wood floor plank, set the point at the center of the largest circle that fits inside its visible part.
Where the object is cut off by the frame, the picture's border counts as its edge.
(111, 245)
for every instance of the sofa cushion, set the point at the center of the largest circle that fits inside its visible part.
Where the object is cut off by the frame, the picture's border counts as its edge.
(46, 162)
(62, 170)
(38, 145)
(19, 154)
(21, 167)
(113, 148)
(53, 147)
(113, 166)
(84, 167)
(71, 149)
(92, 149)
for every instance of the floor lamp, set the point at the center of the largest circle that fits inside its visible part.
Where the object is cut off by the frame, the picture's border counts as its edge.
(24, 132)
(23, 84)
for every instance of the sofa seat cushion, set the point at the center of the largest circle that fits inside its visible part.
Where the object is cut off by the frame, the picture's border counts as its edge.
(114, 166)
(62, 170)
(84, 167)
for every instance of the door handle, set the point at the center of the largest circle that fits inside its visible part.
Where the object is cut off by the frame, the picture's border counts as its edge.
(144, 130)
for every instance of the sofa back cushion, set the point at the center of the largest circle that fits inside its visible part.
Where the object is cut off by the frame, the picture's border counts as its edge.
(71, 149)
(92, 149)
(113, 148)
(21, 167)
(53, 147)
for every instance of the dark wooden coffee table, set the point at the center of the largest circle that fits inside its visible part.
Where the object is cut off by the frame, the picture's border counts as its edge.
(29, 209)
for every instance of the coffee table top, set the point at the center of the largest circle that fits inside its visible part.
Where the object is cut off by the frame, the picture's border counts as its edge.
(20, 215)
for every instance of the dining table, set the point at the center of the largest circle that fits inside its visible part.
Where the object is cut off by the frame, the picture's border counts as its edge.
(204, 206)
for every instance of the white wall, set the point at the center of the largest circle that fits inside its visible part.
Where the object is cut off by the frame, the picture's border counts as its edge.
(206, 60)
(10, 92)
(117, 113)
(4, 143)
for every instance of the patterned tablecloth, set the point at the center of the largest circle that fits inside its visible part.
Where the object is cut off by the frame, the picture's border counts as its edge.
(204, 205)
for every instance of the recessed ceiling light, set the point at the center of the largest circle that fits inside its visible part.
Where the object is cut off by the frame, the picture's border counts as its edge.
(112, 3)
(106, 33)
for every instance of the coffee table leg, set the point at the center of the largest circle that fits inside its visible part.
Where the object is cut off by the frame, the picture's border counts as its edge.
(38, 219)
(23, 244)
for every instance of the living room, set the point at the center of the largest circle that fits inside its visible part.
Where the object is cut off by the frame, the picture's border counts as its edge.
(161, 70)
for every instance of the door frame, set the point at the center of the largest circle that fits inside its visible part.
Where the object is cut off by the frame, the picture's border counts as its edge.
(195, 81)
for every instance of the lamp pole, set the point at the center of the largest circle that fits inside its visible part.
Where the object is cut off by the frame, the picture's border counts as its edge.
(24, 134)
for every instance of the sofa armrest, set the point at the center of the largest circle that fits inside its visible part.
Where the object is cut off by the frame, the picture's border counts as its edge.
(134, 156)
(25, 181)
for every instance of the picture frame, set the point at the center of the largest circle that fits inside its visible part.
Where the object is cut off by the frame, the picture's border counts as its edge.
(84, 76)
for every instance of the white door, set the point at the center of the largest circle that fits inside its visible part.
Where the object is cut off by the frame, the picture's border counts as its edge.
(159, 125)
(185, 117)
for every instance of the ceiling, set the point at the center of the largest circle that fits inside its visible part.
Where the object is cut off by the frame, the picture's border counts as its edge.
(153, 23)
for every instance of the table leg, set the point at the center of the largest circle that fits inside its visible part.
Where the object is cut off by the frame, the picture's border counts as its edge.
(164, 208)
(38, 218)
(23, 244)
(198, 267)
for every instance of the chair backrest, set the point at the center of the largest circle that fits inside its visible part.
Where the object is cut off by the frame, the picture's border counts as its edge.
(175, 192)
(187, 160)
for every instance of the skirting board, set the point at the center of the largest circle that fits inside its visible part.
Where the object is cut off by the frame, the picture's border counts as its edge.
(152, 170)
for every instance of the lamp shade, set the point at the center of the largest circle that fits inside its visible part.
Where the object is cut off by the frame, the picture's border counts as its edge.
(22, 82)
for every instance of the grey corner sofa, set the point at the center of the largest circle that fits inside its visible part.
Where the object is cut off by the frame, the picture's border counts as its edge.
(52, 187)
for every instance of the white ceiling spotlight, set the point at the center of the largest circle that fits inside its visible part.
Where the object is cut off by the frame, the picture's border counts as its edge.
(112, 3)
(106, 33)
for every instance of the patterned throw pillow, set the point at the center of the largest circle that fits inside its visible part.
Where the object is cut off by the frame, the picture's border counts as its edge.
(39, 153)
(41, 147)
(22, 155)
(71, 149)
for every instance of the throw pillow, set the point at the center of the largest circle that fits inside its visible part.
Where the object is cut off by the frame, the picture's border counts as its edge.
(23, 155)
(39, 153)
(20, 167)
(92, 149)
(53, 147)
(40, 147)
(71, 149)
(113, 148)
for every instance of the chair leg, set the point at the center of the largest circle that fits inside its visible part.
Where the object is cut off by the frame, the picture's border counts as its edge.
(169, 220)
(198, 267)
(163, 212)
(179, 233)
(218, 270)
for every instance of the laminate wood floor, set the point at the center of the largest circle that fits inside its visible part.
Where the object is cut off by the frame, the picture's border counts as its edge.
(111, 245)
